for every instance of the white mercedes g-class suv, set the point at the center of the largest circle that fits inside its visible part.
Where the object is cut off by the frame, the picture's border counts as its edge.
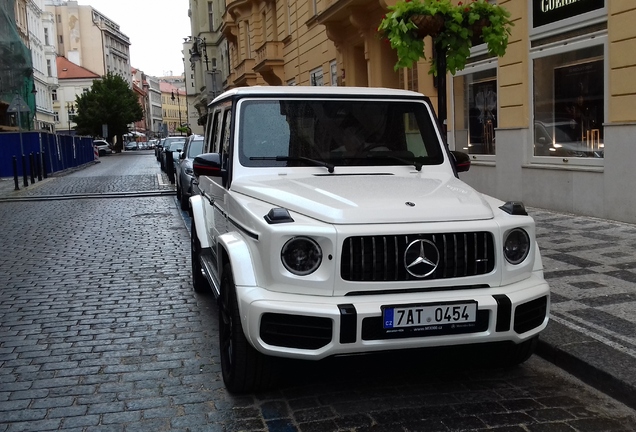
(331, 221)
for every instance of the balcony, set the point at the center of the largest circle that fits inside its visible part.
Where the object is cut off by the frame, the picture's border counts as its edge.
(244, 73)
(270, 62)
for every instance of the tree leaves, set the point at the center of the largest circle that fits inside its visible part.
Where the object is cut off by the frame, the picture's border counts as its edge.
(111, 102)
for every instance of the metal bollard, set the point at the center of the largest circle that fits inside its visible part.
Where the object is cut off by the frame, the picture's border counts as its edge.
(24, 172)
(38, 167)
(15, 172)
(44, 173)
(32, 167)
(170, 166)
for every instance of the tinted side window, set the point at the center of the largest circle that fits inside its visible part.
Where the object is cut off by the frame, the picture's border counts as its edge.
(211, 131)
(225, 137)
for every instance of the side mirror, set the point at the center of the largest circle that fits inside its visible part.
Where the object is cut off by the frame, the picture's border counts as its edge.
(207, 164)
(461, 160)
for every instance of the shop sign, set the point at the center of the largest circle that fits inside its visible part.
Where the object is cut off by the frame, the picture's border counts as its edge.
(549, 11)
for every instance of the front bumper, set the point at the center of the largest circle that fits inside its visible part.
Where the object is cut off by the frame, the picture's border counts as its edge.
(312, 327)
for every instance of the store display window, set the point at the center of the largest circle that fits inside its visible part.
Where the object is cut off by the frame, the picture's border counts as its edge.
(569, 95)
(475, 109)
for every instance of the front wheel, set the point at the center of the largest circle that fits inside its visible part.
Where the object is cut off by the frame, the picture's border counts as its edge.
(199, 283)
(244, 368)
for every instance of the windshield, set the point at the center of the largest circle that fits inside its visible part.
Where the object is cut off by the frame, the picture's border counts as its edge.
(337, 132)
(173, 144)
(195, 148)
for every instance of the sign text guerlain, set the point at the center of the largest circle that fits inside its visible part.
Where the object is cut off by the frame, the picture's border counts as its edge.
(549, 11)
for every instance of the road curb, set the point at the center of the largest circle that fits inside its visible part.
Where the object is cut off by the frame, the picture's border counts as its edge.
(603, 367)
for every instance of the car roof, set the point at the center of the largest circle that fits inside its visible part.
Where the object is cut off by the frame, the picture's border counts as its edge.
(330, 91)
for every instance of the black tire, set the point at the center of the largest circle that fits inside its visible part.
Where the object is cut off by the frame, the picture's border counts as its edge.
(199, 282)
(184, 201)
(244, 369)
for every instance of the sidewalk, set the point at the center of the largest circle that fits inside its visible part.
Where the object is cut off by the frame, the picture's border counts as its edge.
(590, 265)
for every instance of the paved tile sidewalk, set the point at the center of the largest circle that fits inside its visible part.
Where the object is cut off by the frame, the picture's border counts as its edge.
(590, 264)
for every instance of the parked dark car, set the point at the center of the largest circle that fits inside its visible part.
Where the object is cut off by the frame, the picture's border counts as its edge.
(172, 144)
(183, 173)
(158, 148)
(130, 145)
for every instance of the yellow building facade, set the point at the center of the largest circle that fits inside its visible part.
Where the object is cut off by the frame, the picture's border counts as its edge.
(550, 123)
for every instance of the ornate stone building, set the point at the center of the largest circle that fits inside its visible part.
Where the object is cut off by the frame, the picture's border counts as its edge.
(550, 123)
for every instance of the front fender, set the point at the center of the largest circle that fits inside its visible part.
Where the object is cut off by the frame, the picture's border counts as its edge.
(196, 203)
(240, 259)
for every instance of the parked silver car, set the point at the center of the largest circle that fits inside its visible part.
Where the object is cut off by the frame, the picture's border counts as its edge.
(103, 147)
(184, 174)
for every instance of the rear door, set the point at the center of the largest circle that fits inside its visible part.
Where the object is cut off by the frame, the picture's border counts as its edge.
(213, 188)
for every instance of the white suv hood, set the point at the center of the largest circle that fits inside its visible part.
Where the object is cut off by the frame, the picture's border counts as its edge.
(370, 198)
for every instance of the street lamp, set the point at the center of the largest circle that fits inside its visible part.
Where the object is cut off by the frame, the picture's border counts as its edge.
(195, 51)
(179, 108)
(34, 92)
(70, 111)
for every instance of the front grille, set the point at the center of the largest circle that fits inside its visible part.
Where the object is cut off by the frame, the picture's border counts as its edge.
(296, 331)
(381, 258)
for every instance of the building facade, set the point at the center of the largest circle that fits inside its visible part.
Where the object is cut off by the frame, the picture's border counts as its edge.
(90, 39)
(155, 105)
(174, 107)
(73, 81)
(17, 96)
(549, 123)
(205, 57)
(41, 38)
(552, 122)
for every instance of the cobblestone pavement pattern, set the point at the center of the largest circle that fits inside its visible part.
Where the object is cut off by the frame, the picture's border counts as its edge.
(101, 331)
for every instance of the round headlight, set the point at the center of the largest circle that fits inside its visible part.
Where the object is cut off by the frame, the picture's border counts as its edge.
(516, 246)
(301, 256)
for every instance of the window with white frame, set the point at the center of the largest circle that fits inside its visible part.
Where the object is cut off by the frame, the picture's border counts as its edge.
(211, 16)
(333, 73)
(315, 77)
(475, 110)
(288, 16)
(569, 81)
(569, 100)
(248, 40)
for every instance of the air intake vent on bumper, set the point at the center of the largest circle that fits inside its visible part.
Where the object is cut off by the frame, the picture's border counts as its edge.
(530, 315)
(296, 331)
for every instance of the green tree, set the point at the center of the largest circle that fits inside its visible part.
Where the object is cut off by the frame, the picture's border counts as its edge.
(109, 102)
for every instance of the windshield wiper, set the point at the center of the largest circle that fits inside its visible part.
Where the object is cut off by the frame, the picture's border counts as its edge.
(379, 155)
(330, 167)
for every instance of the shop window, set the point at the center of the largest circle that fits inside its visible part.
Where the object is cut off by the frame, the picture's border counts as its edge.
(315, 77)
(569, 100)
(475, 111)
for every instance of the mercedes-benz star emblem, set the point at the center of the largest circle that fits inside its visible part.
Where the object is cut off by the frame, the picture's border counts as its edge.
(421, 258)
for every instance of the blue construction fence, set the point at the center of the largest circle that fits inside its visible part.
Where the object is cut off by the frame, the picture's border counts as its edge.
(58, 152)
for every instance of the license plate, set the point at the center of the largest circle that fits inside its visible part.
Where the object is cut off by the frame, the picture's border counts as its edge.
(429, 314)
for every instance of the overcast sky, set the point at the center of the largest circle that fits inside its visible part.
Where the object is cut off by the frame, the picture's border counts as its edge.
(156, 29)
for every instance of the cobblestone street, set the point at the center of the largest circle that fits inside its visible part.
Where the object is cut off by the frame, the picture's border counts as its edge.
(101, 331)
